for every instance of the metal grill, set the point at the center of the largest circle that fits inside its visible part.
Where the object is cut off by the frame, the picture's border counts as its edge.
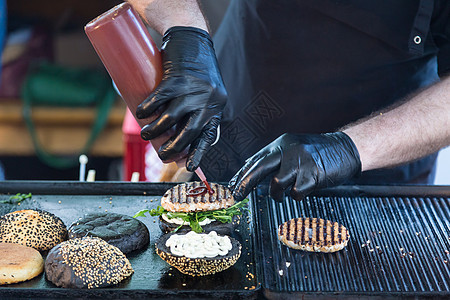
(398, 244)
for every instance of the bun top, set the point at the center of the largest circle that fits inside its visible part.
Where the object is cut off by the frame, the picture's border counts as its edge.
(92, 263)
(38, 229)
(107, 226)
(15, 255)
(19, 263)
(184, 197)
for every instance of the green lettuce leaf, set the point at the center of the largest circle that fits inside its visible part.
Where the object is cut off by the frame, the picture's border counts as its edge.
(193, 219)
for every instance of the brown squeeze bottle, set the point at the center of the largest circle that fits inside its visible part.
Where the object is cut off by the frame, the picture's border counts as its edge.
(131, 57)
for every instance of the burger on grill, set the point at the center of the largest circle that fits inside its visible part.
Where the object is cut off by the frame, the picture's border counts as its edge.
(189, 206)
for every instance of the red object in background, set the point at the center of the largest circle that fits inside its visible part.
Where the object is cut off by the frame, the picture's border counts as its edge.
(37, 48)
(133, 61)
(128, 52)
(135, 148)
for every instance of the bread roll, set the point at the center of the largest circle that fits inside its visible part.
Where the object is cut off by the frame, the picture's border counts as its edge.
(87, 262)
(38, 229)
(124, 232)
(19, 263)
(198, 266)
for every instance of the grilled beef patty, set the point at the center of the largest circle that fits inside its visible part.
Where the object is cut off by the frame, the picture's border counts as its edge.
(177, 199)
(314, 235)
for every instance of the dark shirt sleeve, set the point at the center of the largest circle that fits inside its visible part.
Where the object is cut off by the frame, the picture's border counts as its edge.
(440, 30)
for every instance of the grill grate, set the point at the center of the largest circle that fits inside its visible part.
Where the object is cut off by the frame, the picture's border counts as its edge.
(398, 245)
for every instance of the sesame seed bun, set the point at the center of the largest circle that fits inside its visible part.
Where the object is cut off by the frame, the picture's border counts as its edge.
(19, 263)
(198, 266)
(87, 262)
(38, 229)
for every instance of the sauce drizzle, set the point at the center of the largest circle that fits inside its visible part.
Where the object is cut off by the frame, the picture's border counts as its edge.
(198, 191)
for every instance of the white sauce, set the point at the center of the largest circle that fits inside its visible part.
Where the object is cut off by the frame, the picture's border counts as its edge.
(180, 221)
(199, 245)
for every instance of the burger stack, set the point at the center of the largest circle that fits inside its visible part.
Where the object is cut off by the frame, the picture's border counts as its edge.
(197, 224)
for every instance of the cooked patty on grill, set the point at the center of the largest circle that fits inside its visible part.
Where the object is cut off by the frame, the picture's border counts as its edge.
(176, 199)
(313, 234)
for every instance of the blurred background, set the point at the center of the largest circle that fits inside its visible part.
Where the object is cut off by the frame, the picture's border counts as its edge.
(46, 39)
(41, 139)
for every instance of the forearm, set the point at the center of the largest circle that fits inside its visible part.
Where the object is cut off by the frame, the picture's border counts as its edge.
(412, 130)
(163, 14)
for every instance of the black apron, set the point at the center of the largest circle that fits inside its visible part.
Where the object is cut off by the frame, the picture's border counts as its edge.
(313, 66)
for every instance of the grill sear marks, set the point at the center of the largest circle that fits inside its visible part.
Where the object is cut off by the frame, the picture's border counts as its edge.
(313, 234)
(177, 199)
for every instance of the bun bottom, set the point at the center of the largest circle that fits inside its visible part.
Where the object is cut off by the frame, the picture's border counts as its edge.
(198, 266)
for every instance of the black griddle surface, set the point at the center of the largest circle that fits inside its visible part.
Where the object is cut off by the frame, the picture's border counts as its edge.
(152, 277)
(399, 244)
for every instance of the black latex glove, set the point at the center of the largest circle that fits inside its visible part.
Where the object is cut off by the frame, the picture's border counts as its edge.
(191, 95)
(301, 162)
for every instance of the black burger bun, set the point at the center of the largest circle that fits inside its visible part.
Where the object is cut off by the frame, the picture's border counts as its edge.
(125, 232)
(87, 262)
(198, 266)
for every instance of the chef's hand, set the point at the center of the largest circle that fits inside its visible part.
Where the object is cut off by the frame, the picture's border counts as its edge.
(301, 162)
(191, 95)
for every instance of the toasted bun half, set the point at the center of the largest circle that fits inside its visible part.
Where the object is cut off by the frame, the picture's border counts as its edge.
(19, 263)
(198, 266)
(125, 232)
(38, 229)
(314, 235)
(177, 198)
(88, 262)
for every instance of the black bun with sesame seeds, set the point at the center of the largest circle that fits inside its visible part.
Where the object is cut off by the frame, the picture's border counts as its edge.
(198, 266)
(86, 263)
(37, 229)
(125, 232)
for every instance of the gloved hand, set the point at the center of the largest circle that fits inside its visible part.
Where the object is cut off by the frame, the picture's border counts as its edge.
(191, 96)
(301, 162)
